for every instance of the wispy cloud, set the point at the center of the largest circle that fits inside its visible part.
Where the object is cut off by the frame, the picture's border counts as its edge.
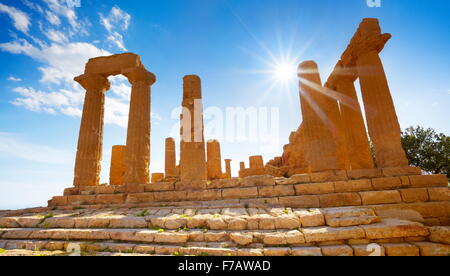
(13, 146)
(21, 20)
(117, 21)
(14, 79)
(61, 59)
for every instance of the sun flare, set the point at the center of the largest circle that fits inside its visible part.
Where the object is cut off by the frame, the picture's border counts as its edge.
(284, 71)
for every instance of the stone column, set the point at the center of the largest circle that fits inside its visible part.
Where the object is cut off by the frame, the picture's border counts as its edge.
(192, 146)
(117, 169)
(382, 121)
(242, 165)
(170, 158)
(256, 162)
(228, 167)
(90, 139)
(321, 149)
(214, 160)
(137, 158)
(356, 138)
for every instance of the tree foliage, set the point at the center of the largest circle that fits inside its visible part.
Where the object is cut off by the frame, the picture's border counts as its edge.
(427, 149)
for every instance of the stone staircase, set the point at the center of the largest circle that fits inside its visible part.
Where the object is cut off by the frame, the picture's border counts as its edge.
(345, 231)
(343, 213)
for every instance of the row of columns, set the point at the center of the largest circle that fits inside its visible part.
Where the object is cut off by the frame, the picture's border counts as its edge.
(90, 141)
(333, 124)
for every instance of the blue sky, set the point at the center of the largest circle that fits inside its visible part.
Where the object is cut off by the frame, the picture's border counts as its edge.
(231, 44)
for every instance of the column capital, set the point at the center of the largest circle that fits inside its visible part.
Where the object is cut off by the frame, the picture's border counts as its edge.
(136, 75)
(96, 83)
(367, 38)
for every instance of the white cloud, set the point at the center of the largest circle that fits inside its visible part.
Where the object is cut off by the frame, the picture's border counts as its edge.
(20, 19)
(117, 20)
(52, 18)
(12, 146)
(61, 8)
(117, 40)
(12, 78)
(61, 62)
(56, 36)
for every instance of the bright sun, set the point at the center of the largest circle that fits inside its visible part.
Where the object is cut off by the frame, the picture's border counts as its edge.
(284, 71)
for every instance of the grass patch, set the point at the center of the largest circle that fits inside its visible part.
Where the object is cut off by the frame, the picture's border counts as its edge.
(2, 250)
(144, 213)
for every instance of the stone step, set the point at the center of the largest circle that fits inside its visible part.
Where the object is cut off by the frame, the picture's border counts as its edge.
(282, 195)
(43, 247)
(267, 185)
(216, 219)
(385, 230)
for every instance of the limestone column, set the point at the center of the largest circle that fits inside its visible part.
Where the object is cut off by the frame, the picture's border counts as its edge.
(117, 169)
(382, 121)
(359, 154)
(256, 162)
(242, 165)
(228, 167)
(170, 158)
(137, 157)
(90, 139)
(321, 150)
(192, 146)
(214, 160)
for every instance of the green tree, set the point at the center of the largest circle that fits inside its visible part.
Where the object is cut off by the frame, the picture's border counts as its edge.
(427, 149)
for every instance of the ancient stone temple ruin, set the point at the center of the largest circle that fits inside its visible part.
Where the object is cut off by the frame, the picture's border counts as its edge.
(326, 194)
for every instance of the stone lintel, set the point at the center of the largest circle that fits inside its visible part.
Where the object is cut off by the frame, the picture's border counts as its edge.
(113, 65)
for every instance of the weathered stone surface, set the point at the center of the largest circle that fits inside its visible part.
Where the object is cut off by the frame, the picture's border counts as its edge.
(225, 183)
(400, 214)
(242, 238)
(425, 181)
(276, 251)
(327, 176)
(140, 198)
(204, 195)
(364, 173)
(258, 180)
(110, 199)
(433, 249)
(315, 189)
(439, 194)
(337, 250)
(401, 249)
(402, 171)
(240, 193)
(297, 179)
(353, 186)
(392, 228)
(387, 183)
(278, 190)
(306, 251)
(290, 221)
(157, 177)
(306, 201)
(323, 234)
(341, 199)
(171, 237)
(310, 218)
(380, 197)
(275, 239)
(352, 221)
(161, 186)
(440, 234)
(415, 195)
